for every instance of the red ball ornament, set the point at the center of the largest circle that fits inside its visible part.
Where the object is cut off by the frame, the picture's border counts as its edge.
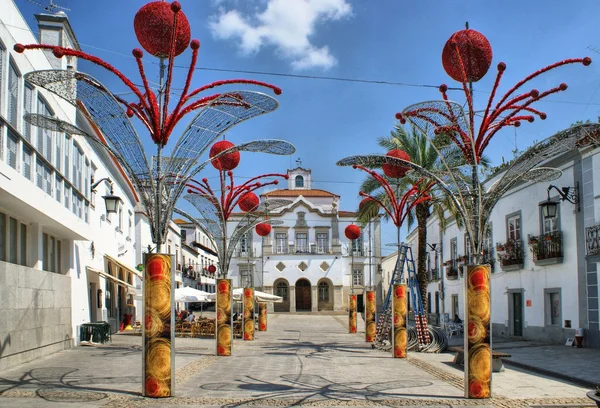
(212, 268)
(226, 162)
(263, 229)
(395, 171)
(475, 52)
(352, 232)
(153, 25)
(248, 202)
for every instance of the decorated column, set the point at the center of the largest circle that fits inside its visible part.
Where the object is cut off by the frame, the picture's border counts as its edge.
(478, 347)
(370, 325)
(262, 316)
(158, 362)
(399, 310)
(224, 333)
(352, 314)
(248, 314)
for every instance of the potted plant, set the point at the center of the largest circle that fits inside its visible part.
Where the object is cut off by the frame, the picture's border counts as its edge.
(500, 247)
(595, 396)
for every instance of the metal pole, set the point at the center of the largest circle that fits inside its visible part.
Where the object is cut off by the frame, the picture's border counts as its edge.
(158, 204)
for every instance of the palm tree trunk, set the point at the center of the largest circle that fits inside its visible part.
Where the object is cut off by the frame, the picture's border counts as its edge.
(422, 213)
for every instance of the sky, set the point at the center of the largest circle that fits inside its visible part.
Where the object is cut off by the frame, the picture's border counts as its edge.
(393, 45)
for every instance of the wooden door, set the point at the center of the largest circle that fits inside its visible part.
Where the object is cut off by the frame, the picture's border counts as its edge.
(303, 300)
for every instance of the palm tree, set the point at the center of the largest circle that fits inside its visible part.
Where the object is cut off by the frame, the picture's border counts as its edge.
(422, 153)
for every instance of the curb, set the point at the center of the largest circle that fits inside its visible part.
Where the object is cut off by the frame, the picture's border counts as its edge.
(554, 374)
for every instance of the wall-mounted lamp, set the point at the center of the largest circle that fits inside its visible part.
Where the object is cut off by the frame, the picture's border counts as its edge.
(570, 194)
(433, 247)
(111, 201)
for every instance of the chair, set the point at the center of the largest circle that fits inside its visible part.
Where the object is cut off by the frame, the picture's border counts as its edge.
(454, 329)
(186, 329)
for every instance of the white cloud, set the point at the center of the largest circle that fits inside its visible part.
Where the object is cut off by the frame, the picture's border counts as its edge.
(287, 25)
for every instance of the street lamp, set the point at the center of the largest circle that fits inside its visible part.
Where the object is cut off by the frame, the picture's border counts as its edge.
(111, 200)
(569, 194)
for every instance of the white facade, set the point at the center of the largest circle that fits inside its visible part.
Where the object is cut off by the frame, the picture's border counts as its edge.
(306, 259)
(198, 254)
(63, 262)
(551, 289)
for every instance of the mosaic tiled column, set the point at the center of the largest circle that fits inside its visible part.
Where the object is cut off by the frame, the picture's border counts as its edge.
(370, 324)
(478, 347)
(262, 316)
(224, 332)
(248, 314)
(399, 311)
(352, 314)
(159, 361)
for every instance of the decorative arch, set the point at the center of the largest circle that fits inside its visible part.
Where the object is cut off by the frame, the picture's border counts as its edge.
(281, 287)
(325, 294)
(303, 295)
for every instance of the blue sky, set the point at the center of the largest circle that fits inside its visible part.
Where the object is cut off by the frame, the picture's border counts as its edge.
(387, 40)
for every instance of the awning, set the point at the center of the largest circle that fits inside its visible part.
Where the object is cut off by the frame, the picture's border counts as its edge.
(131, 288)
(127, 268)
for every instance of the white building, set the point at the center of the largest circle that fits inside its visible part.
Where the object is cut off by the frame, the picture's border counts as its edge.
(546, 285)
(63, 261)
(198, 254)
(306, 259)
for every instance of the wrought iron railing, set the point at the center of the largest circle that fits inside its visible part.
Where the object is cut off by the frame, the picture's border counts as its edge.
(592, 240)
(546, 246)
(510, 252)
(451, 272)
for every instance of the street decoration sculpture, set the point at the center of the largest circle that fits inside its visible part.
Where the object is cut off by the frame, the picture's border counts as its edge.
(399, 319)
(466, 58)
(352, 232)
(163, 30)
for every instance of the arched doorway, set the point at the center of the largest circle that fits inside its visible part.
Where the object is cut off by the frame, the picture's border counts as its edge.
(325, 295)
(282, 288)
(303, 298)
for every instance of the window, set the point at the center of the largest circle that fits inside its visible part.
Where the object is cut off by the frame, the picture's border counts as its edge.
(67, 149)
(468, 248)
(324, 291)
(77, 167)
(428, 302)
(2, 56)
(550, 225)
(245, 242)
(28, 107)
(453, 251)
(183, 232)
(121, 220)
(12, 143)
(246, 278)
(281, 242)
(23, 239)
(58, 193)
(282, 290)
(51, 253)
(58, 143)
(93, 193)
(44, 136)
(301, 242)
(357, 276)
(67, 201)
(322, 243)
(13, 95)
(39, 172)
(299, 181)
(27, 160)
(357, 245)
(47, 180)
(12, 239)
(514, 227)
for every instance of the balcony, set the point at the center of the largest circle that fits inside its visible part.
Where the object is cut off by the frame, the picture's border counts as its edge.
(592, 240)
(451, 272)
(244, 253)
(547, 249)
(510, 255)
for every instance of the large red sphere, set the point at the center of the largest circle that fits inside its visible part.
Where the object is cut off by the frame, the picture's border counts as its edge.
(212, 268)
(263, 229)
(395, 171)
(363, 202)
(248, 202)
(153, 25)
(352, 232)
(475, 52)
(228, 161)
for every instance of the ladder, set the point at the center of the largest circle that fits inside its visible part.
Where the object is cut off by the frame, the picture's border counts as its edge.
(384, 323)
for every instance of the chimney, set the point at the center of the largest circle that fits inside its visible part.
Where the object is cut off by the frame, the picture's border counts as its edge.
(55, 29)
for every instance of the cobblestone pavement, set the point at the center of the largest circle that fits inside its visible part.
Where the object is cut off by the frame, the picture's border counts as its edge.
(301, 361)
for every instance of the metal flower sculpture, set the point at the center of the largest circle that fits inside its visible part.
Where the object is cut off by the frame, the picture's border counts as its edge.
(216, 206)
(163, 30)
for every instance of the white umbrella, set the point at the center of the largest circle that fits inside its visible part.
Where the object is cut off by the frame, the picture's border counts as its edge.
(258, 296)
(189, 294)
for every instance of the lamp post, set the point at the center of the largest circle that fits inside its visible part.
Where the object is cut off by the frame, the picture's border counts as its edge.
(163, 30)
